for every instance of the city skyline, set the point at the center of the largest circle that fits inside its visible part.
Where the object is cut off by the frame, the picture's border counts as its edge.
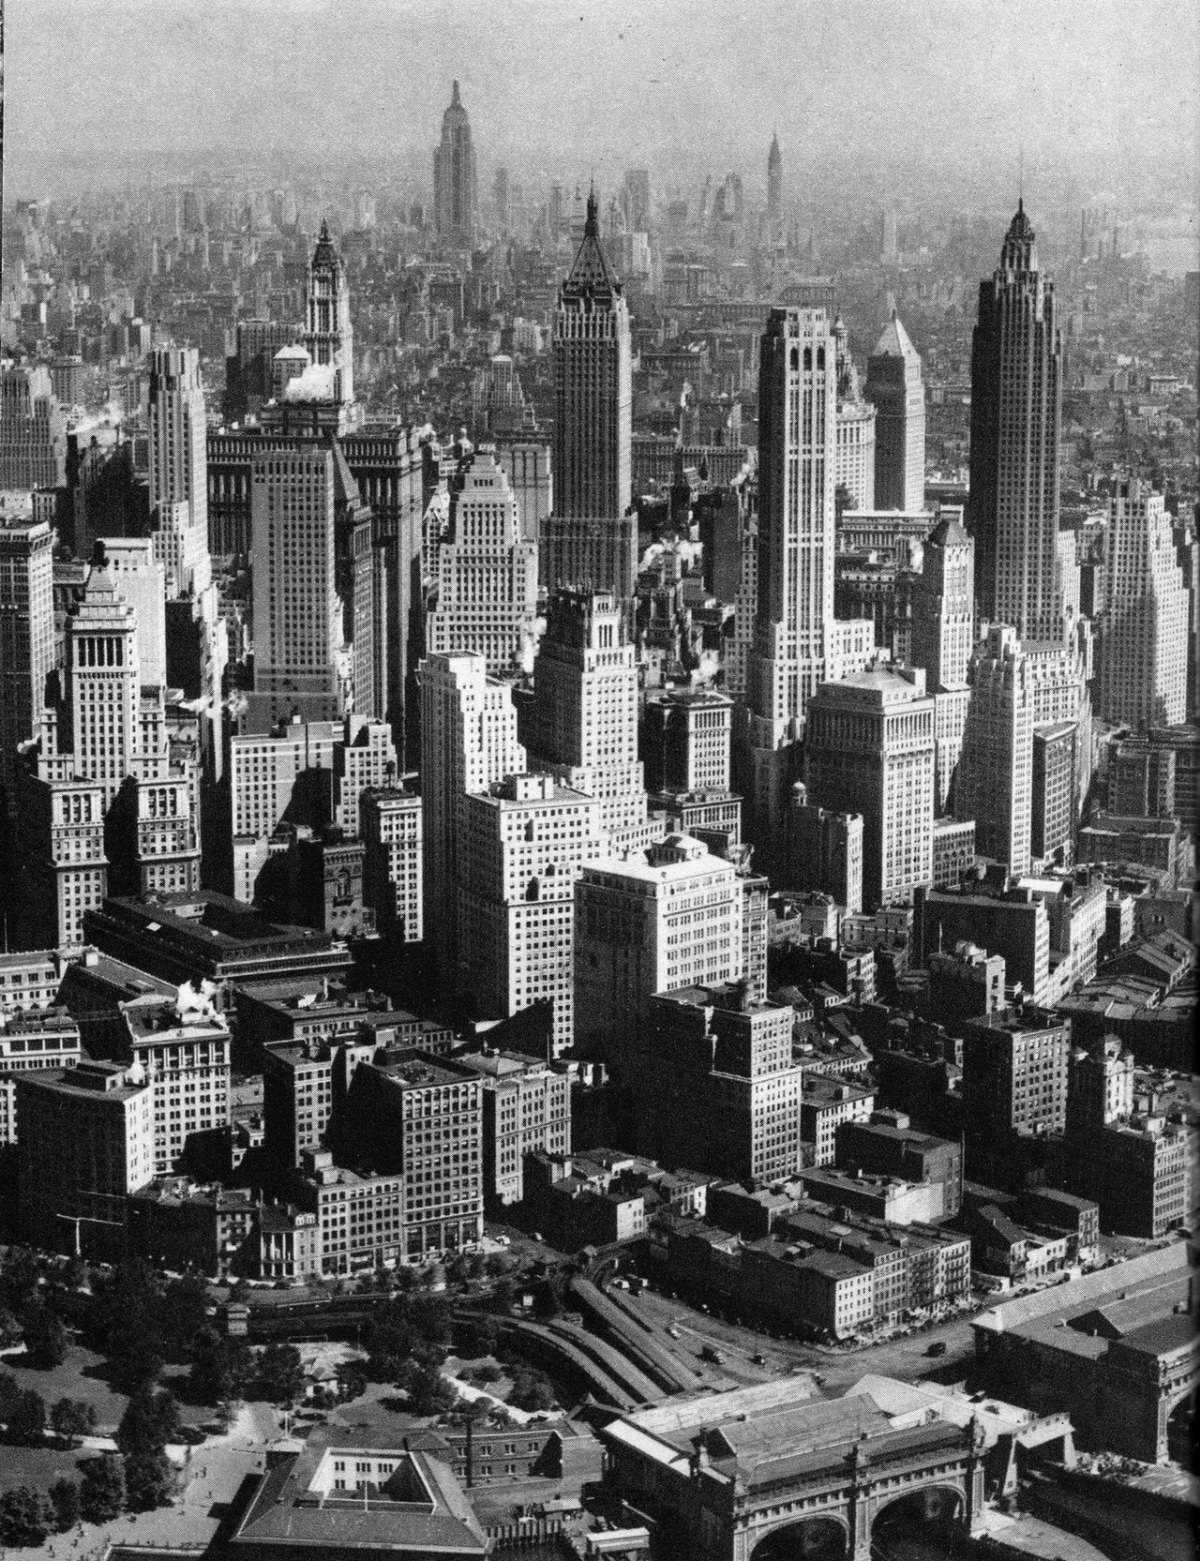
(595, 701)
(206, 73)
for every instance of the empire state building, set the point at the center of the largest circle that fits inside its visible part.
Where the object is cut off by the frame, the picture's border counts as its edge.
(455, 192)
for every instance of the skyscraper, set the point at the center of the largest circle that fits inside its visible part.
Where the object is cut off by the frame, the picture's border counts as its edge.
(895, 385)
(589, 542)
(869, 749)
(455, 194)
(298, 637)
(995, 773)
(774, 186)
(580, 723)
(487, 572)
(178, 462)
(328, 333)
(468, 742)
(797, 643)
(1143, 628)
(33, 437)
(854, 470)
(1016, 405)
(26, 633)
(796, 541)
(524, 842)
(943, 636)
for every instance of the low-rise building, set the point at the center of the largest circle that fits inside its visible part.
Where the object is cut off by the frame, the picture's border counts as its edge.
(379, 1499)
(1115, 1349)
(85, 1141)
(825, 1103)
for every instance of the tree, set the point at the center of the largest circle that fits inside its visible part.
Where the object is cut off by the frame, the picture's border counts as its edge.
(19, 1276)
(72, 1419)
(531, 1390)
(352, 1380)
(64, 1498)
(280, 1374)
(27, 1419)
(428, 1391)
(26, 1518)
(10, 1392)
(45, 1338)
(183, 1314)
(149, 1481)
(221, 1368)
(10, 1328)
(150, 1421)
(102, 1491)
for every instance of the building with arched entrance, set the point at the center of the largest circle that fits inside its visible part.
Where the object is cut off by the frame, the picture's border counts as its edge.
(764, 1474)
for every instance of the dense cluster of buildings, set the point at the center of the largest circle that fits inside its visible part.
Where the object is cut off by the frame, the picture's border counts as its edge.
(635, 744)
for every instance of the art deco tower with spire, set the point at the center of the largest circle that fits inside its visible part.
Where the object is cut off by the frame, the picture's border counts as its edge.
(455, 191)
(774, 185)
(1016, 407)
(587, 541)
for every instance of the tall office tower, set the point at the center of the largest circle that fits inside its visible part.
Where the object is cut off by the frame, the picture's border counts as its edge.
(797, 645)
(102, 785)
(869, 749)
(589, 540)
(774, 186)
(455, 196)
(580, 723)
(26, 633)
(943, 636)
(523, 844)
(391, 829)
(103, 684)
(1143, 629)
(142, 580)
(328, 333)
(635, 198)
(889, 248)
(487, 572)
(895, 385)
(179, 464)
(943, 605)
(299, 649)
(500, 195)
(995, 772)
(646, 922)
(468, 742)
(854, 467)
(1016, 413)
(684, 740)
(33, 430)
(302, 774)
(248, 370)
(718, 1085)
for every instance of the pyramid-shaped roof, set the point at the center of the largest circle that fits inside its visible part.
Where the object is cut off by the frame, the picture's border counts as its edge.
(591, 273)
(345, 487)
(895, 341)
(949, 531)
(325, 256)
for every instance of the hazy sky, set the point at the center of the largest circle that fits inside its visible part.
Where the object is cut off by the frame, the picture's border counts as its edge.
(945, 86)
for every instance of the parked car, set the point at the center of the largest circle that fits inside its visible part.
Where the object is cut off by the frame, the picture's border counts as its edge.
(938, 1347)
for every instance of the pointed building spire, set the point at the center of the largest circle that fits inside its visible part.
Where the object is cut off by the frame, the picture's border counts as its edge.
(455, 99)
